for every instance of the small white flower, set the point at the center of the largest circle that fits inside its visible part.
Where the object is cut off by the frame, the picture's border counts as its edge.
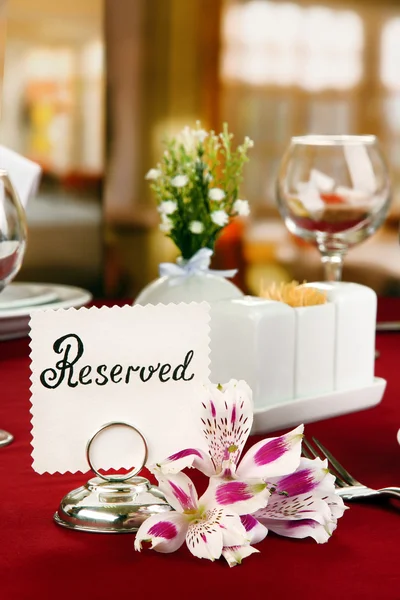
(200, 135)
(249, 142)
(187, 139)
(166, 224)
(196, 227)
(242, 208)
(208, 177)
(153, 174)
(219, 217)
(216, 194)
(179, 181)
(168, 207)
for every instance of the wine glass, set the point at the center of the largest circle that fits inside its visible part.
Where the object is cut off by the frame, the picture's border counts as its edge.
(333, 191)
(13, 232)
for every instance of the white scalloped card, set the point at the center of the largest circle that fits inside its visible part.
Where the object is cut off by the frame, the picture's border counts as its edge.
(136, 364)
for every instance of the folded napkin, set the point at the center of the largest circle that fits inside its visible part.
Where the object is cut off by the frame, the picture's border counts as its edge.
(23, 173)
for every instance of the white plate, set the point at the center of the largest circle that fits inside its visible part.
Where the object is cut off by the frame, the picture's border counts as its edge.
(316, 408)
(17, 295)
(14, 322)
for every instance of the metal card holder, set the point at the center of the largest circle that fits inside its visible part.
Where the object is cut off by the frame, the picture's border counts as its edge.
(5, 438)
(111, 503)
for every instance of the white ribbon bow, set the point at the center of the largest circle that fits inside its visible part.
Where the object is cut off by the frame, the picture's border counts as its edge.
(199, 263)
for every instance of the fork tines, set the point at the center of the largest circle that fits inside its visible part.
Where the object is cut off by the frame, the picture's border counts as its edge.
(343, 477)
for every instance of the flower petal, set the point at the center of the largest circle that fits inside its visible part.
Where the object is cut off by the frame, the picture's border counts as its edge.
(301, 529)
(310, 476)
(273, 456)
(179, 491)
(255, 530)
(190, 457)
(311, 481)
(295, 508)
(336, 505)
(216, 528)
(233, 531)
(165, 532)
(243, 497)
(205, 536)
(316, 511)
(235, 554)
(227, 419)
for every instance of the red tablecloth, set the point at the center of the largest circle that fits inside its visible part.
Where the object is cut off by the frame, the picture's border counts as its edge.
(40, 559)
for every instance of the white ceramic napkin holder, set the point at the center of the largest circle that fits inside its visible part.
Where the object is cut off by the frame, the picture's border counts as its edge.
(298, 360)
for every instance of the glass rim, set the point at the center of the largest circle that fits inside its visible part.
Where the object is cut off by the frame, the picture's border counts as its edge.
(333, 140)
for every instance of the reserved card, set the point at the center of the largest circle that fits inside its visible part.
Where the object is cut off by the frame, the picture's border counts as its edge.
(140, 365)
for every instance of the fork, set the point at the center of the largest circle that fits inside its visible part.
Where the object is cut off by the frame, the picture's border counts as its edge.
(346, 485)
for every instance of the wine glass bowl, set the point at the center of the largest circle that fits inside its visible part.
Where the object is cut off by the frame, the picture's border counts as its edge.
(13, 233)
(333, 191)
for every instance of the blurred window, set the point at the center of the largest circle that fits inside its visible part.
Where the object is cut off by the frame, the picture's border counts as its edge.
(53, 113)
(282, 44)
(287, 69)
(390, 101)
(390, 54)
(54, 103)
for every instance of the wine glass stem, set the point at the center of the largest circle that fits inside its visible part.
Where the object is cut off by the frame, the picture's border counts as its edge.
(333, 265)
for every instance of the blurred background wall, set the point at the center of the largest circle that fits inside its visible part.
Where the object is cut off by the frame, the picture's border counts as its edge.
(53, 112)
(90, 88)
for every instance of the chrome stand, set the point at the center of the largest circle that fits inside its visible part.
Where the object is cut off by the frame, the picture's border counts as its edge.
(5, 438)
(111, 504)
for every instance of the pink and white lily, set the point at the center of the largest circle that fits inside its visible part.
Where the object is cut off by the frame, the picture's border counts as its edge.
(270, 488)
(226, 421)
(209, 529)
(304, 503)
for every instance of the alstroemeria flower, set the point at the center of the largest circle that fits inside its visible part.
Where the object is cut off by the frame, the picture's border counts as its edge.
(208, 528)
(227, 419)
(303, 504)
(299, 494)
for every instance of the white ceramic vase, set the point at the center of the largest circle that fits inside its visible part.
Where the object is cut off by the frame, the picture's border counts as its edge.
(194, 287)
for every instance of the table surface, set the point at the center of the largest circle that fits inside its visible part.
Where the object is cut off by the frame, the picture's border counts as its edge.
(361, 560)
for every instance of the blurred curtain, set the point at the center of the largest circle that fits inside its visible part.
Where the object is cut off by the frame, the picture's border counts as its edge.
(162, 73)
(3, 33)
